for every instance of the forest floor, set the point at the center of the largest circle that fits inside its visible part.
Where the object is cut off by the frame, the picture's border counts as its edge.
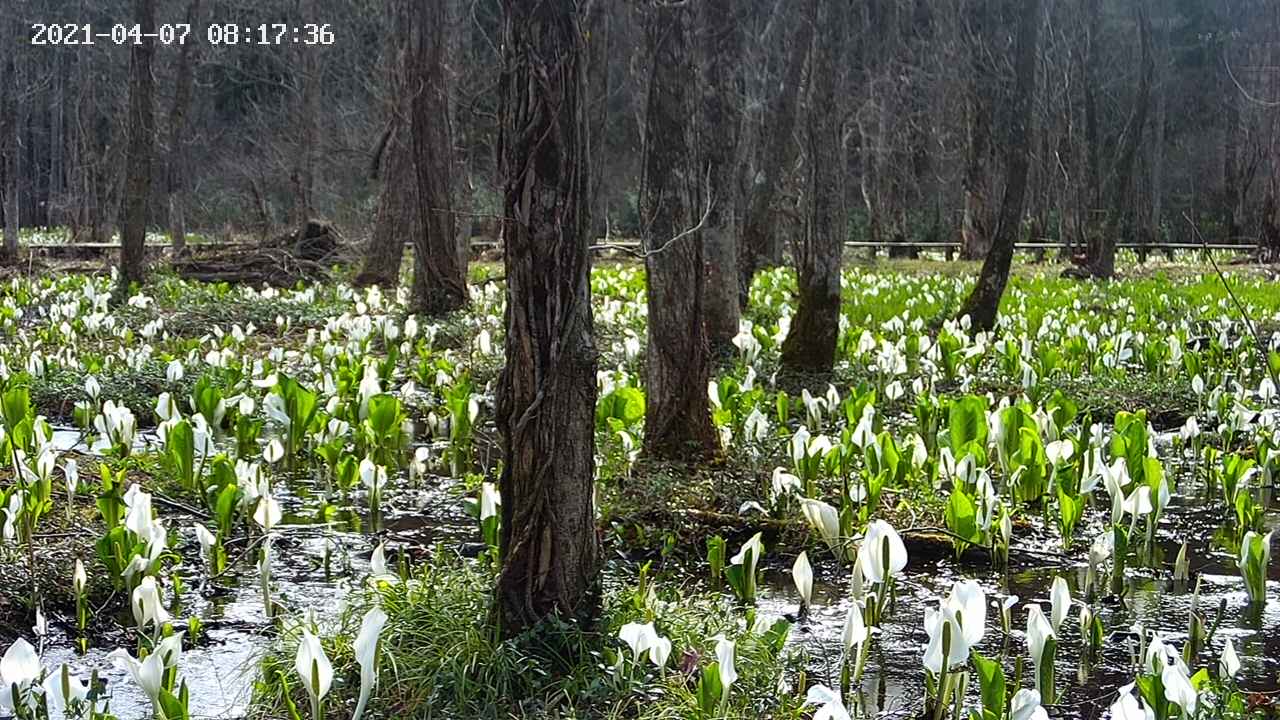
(656, 519)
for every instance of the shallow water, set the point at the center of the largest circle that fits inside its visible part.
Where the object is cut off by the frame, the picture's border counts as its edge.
(893, 680)
(220, 670)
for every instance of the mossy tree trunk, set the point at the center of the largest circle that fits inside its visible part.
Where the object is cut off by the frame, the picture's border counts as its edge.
(440, 272)
(547, 391)
(811, 342)
(141, 138)
(677, 422)
(984, 302)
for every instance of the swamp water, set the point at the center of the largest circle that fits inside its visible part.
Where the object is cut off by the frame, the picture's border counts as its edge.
(236, 630)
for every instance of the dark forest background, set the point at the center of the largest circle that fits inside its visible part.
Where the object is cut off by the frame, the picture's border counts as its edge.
(1143, 111)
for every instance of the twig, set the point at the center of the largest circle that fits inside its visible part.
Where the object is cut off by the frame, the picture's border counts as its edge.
(645, 254)
(175, 505)
(942, 531)
(1248, 321)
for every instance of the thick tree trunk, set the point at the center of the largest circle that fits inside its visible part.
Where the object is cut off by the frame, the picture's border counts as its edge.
(811, 343)
(547, 392)
(175, 167)
(984, 302)
(677, 423)
(760, 246)
(142, 134)
(722, 51)
(440, 273)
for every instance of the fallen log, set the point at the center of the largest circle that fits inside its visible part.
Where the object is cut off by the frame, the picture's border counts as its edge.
(303, 255)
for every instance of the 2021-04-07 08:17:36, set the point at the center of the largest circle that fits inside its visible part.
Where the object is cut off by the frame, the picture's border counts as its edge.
(180, 33)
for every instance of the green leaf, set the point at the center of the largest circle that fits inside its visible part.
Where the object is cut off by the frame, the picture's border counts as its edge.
(991, 679)
(180, 446)
(172, 707)
(967, 417)
(962, 516)
(710, 689)
(1046, 670)
(625, 404)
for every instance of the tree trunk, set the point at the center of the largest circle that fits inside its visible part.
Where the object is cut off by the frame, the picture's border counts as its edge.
(142, 133)
(677, 423)
(975, 228)
(1269, 237)
(1158, 143)
(760, 246)
(984, 302)
(722, 51)
(1102, 246)
(175, 167)
(396, 218)
(547, 391)
(440, 273)
(811, 342)
(306, 111)
(599, 44)
(10, 140)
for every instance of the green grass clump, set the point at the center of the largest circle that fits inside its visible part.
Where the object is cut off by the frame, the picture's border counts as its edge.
(442, 658)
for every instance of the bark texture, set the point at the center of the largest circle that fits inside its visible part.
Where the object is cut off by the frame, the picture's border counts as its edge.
(142, 133)
(440, 273)
(677, 423)
(984, 302)
(547, 392)
(810, 345)
(718, 135)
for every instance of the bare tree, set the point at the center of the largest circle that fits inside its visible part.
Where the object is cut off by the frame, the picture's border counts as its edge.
(10, 140)
(440, 272)
(547, 392)
(1119, 184)
(976, 230)
(175, 169)
(396, 218)
(811, 342)
(984, 302)
(677, 422)
(721, 46)
(142, 134)
(761, 246)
